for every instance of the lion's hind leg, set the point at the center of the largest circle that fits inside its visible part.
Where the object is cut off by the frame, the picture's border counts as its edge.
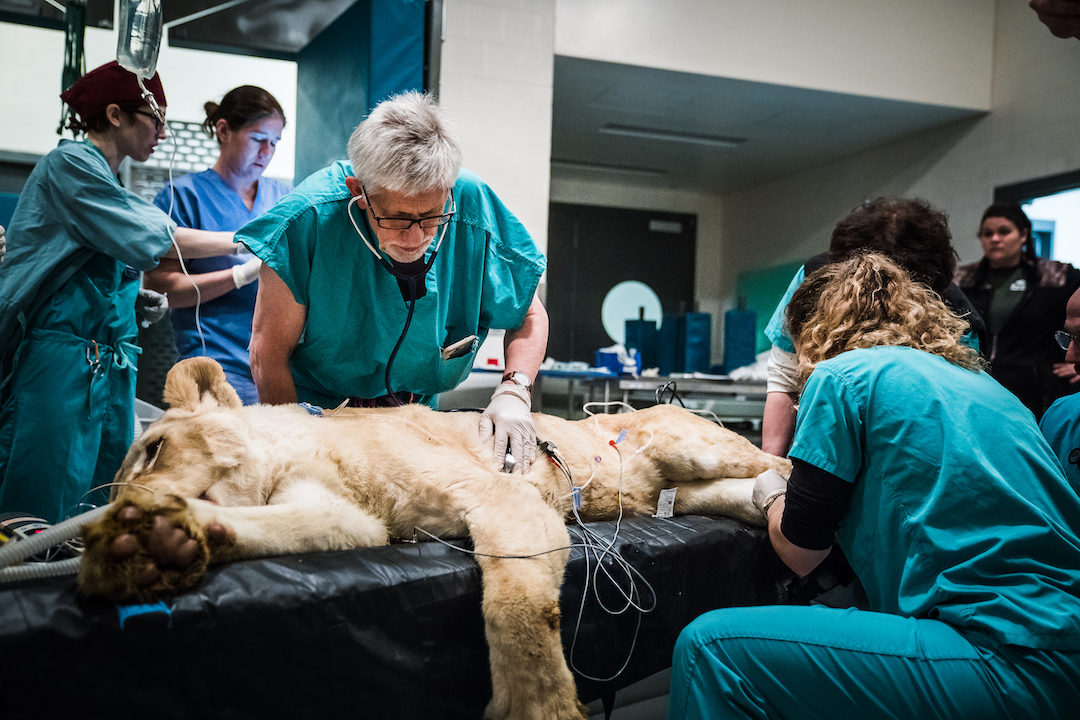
(529, 676)
(685, 447)
(731, 497)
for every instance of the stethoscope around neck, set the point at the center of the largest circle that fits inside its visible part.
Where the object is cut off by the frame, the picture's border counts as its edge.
(411, 280)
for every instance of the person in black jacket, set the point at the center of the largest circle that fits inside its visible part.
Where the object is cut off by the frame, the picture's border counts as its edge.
(1022, 299)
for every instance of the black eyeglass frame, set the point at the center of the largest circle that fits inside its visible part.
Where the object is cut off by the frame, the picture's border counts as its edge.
(1065, 338)
(431, 221)
(159, 123)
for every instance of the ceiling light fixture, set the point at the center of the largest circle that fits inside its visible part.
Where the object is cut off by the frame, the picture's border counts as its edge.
(599, 167)
(653, 134)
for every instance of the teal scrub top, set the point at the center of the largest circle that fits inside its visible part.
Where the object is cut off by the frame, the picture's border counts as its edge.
(485, 276)
(775, 330)
(1060, 425)
(960, 511)
(77, 242)
(72, 209)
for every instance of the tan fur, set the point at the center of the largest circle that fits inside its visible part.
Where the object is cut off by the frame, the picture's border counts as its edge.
(244, 482)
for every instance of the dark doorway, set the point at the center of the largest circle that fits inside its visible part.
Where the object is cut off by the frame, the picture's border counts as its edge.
(591, 249)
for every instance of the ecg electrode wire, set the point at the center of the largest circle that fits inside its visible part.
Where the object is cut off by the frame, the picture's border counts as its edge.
(626, 567)
(703, 412)
(668, 387)
(591, 543)
(590, 413)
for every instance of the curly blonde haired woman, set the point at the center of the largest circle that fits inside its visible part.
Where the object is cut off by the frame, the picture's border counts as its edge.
(954, 514)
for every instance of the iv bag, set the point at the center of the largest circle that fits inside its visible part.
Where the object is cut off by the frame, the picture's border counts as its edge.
(139, 37)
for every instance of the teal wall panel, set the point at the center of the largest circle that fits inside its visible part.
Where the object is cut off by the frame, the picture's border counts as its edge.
(761, 290)
(375, 49)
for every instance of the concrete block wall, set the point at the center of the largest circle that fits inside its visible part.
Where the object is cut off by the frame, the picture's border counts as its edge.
(496, 79)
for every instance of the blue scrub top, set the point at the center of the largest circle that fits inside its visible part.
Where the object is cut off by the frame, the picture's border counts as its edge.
(960, 511)
(205, 202)
(485, 276)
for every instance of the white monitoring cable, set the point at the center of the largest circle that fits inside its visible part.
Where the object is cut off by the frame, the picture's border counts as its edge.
(604, 550)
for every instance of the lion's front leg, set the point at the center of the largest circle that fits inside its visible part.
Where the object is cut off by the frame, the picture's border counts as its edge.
(147, 546)
(152, 544)
(529, 676)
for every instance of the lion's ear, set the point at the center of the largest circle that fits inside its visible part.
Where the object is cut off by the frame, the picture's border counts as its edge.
(195, 380)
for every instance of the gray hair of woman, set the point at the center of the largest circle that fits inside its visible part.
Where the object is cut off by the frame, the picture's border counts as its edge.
(408, 145)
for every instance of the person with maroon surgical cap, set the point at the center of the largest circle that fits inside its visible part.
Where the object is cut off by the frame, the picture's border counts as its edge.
(76, 245)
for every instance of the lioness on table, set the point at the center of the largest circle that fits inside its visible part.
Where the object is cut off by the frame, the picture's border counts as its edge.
(214, 481)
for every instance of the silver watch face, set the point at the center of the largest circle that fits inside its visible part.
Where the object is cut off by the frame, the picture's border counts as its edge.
(520, 378)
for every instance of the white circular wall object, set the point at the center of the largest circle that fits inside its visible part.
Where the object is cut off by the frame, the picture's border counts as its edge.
(624, 302)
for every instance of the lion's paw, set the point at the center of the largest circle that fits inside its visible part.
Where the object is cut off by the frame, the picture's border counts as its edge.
(144, 548)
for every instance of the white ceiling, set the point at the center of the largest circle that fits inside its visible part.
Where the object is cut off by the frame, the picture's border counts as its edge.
(785, 129)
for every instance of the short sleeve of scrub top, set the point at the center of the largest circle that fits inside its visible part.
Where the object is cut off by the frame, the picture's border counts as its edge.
(106, 217)
(775, 330)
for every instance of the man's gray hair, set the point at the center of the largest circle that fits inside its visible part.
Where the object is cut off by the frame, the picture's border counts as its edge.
(407, 145)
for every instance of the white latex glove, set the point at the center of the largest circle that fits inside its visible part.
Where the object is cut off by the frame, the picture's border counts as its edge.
(508, 417)
(768, 486)
(3, 245)
(246, 273)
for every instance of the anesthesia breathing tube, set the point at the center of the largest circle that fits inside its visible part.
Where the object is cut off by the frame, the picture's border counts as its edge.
(410, 278)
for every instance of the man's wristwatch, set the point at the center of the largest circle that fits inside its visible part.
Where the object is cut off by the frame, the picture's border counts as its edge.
(518, 378)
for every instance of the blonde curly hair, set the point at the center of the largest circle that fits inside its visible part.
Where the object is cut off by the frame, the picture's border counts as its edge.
(870, 301)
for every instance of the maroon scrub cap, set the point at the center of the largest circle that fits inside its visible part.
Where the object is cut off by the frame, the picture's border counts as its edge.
(109, 83)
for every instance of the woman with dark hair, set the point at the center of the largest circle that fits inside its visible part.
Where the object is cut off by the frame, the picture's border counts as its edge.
(76, 245)
(213, 301)
(1022, 299)
(953, 511)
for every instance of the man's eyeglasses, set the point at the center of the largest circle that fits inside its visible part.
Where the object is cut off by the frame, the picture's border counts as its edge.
(158, 122)
(1064, 339)
(430, 221)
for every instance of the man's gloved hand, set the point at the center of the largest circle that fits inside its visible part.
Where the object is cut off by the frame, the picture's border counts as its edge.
(509, 418)
(3, 245)
(768, 486)
(150, 307)
(246, 273)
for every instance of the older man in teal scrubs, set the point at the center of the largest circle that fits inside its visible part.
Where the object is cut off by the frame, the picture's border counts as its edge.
(381, 276)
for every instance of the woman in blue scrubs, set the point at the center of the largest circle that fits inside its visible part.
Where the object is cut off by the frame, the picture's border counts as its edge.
(247, 124)
(938, 486)
(75, 247)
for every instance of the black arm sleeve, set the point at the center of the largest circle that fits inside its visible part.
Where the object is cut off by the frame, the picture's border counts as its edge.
(815, 502)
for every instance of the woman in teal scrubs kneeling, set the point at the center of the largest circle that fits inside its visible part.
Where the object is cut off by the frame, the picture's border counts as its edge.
(942, 493)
